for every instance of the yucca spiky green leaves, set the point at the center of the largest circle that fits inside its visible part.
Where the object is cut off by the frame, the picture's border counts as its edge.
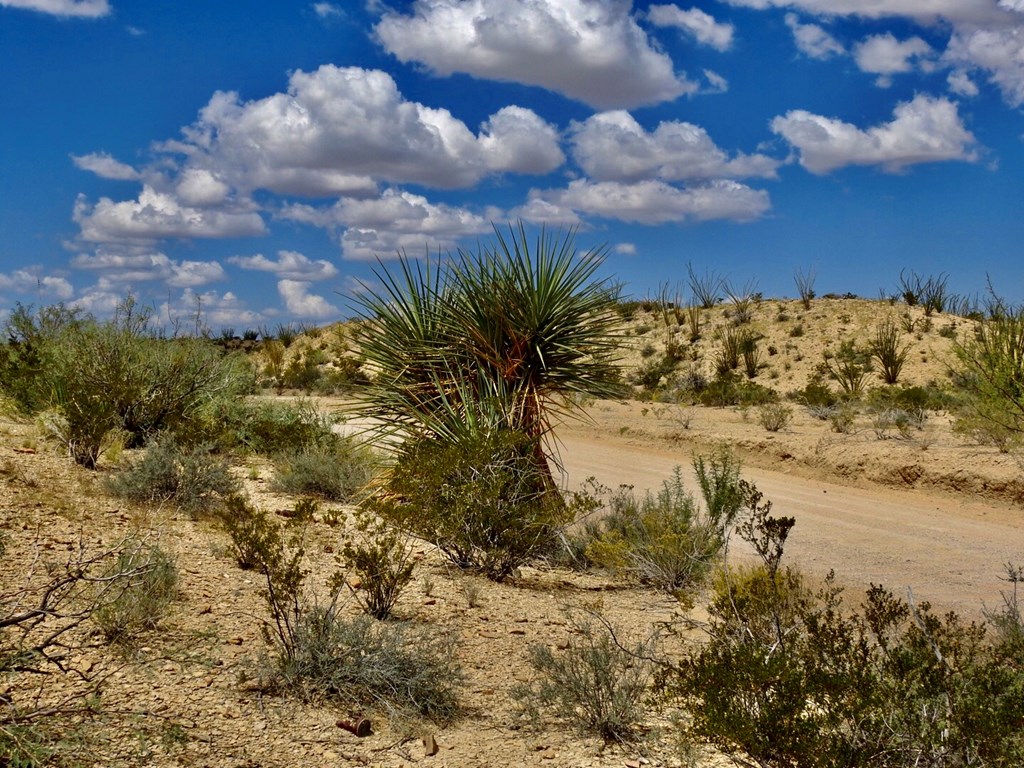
(499, 339)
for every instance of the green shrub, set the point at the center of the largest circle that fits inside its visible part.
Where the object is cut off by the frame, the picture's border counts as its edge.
(121, 374)
(989, 373)
(254, 535)
(189, 478)
(144, 583)
(337, 475)
(381, 560)
(793, 677)
(268, 428)
(596, 684)
(729, 389)
(481, 500)
(774, 416)
(842, 418)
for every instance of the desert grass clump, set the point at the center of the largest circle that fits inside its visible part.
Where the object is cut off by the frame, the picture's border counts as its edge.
(147, 584)
(402, 669)
(190, 478)
(598, 684)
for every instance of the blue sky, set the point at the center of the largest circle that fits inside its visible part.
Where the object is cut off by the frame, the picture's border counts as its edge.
(256, 158)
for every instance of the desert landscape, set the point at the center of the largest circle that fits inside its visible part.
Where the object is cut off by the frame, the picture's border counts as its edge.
(926, 510)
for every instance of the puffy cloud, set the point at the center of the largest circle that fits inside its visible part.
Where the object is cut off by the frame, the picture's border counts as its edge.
(118, 266)
(105, 166)
(612, 146)
(537, 210)
(200, 188)
(396, 221)
(85, 9)
(102, 298)
(589, 50)
(157, 215)
(655, 202)
(626, 249)
(32, 280)
(1000, 52)
(976, 11)
(339, 130)
(812, 40)
(290, 265)
(695, 22)
(924, 130)
(300, 302)
(961, 84)
(884, 55)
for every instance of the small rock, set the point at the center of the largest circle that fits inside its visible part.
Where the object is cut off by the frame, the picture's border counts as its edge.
(430, 745)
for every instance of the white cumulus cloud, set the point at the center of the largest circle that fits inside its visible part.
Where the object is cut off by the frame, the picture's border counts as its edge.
(655, 202)
(613, 146)
(216, 310)
(997, 51)
(589, 50)
(976, 11)
(813, 40)
(33, 280)
(337, 131)
(884, 55)
(694, 21)
(961, 84)
(301, 303)
(126, 267)
(924, 130)
(105, 166)
(290, 265)
(84, 9)
(397, 221)
(157, 215)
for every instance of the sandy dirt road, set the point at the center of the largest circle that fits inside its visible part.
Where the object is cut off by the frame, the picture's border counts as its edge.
(949, 551)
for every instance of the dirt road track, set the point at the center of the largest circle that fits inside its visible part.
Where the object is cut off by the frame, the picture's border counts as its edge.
(949, 551)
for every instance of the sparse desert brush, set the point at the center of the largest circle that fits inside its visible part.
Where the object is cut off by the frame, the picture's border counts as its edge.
(190, 478)
(600, 683)
(774, 416)
(337, 474)
(147, 584)
(666, 539)
(885, 347)
(118, 374)
(380, 559)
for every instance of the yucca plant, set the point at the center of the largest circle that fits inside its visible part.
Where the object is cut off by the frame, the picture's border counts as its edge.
(502, 339)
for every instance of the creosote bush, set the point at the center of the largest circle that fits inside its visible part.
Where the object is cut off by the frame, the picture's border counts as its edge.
(790, 676)
(774, 416)
(380, 560)
(596, 684)
(319, 652)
